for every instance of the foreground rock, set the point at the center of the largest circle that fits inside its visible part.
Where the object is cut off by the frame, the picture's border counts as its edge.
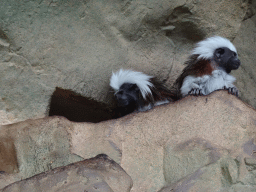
(196, 143)
(33, 147)
(76, 45)
(92, 175)
(205, 143)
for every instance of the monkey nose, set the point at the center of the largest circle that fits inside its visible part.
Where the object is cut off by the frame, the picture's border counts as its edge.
(237, 64)
(234, 63)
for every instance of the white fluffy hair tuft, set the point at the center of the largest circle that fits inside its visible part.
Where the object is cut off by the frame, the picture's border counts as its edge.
(128, 76)
(205, 49)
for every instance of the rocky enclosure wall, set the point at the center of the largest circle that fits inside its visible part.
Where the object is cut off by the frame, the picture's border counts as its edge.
(77, 44)
(198, 143)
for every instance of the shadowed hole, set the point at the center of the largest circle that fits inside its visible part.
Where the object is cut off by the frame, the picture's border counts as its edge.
(77, 108)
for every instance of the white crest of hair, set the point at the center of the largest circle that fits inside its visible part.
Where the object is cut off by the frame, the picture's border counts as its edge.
(205, 49)
(128, 76)
(208, 83)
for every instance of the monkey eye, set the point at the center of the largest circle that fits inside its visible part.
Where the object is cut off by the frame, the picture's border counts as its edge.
(133, 87)
(235, 54)
(219, 52)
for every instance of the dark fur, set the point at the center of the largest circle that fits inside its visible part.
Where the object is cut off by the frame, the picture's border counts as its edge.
(161, 92)
(226, 59)
(130, 99)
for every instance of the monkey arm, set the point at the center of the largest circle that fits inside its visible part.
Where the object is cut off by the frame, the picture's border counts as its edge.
(191, 84)
(208, 83)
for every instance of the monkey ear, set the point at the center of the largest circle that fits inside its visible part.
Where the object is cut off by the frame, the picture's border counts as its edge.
(219, 52)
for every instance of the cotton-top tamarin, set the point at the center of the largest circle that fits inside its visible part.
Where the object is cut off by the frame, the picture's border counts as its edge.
(208, 68)
(138, 91)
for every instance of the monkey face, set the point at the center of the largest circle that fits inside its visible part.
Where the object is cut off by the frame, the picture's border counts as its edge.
(128, 95)
(226, 59)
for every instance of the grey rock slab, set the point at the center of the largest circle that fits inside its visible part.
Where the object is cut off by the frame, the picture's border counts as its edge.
(96, 174)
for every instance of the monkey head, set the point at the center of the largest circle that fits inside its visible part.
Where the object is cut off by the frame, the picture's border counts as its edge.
(132, 89)
(128, 95)
(138, 91)
(220, 50)
(226, 59)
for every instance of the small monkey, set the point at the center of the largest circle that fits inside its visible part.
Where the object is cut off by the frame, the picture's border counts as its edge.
(138, 91)
(208, 68)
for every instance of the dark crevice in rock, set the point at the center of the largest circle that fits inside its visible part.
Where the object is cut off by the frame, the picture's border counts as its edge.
(251, 11)
(250, 163)
(227, 179)
(169, 72)
(78, 108)
(4, 40)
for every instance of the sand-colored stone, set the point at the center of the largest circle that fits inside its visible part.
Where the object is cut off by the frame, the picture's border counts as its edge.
(205, 143)
(8, 156)
(76, 45)
(37, 146)
(178, 140)
(96, 174)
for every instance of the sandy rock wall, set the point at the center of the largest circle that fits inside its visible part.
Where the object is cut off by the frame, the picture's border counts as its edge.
(77, 44)
(198, 143)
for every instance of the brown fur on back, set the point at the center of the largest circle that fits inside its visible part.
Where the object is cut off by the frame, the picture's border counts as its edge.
(195, 68)
(161, 92)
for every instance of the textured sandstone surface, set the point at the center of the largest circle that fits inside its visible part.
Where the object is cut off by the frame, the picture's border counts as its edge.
(98, 174)
(205, 143)
(196, 144)
(77, 44)
(202, 141)
(34, 147)
(245, 42)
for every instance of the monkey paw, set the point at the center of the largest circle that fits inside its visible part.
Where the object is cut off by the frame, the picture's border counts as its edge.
(232, 90)
(195, 91)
